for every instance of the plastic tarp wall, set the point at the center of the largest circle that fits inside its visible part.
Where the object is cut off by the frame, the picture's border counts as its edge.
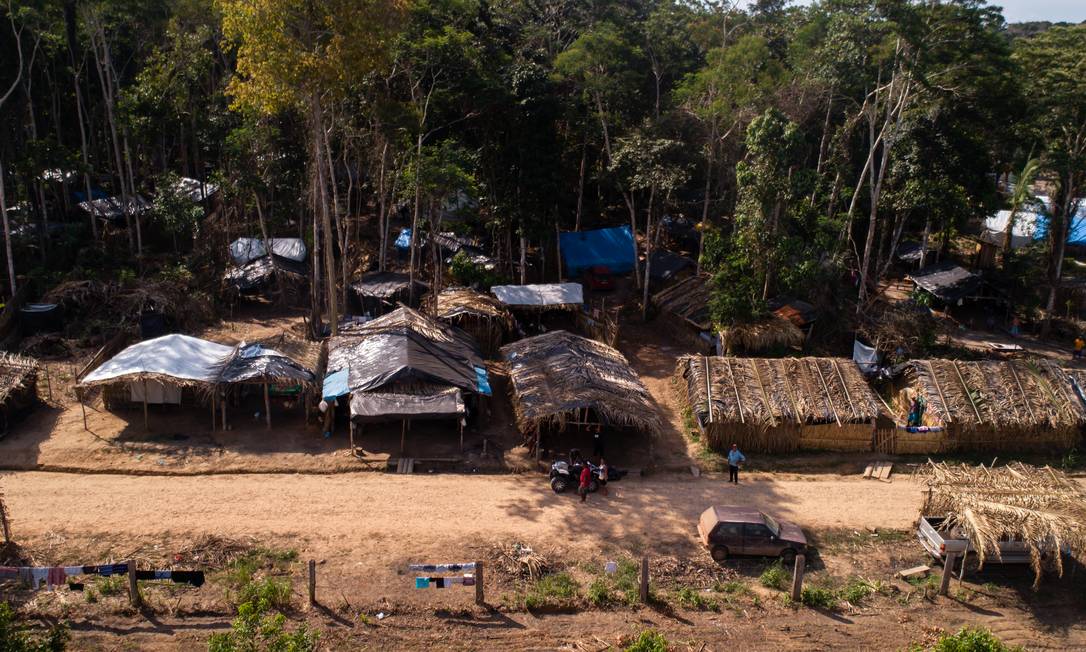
(546, 294)
(158, 393)
(612, 248)
(176, 356)
(865, 357)
(244, 250)
(378, 406)
(1031, 224)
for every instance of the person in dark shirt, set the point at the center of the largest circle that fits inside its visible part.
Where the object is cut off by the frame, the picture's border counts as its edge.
(586, 480)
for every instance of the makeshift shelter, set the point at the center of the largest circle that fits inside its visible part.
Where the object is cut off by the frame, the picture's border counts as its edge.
(684, 310)
(666, 267)
(1040, 507)
(173, 369)
(778, 405)
(560, 380)
(991, 405)
(256, 275)
(480, 315)
(948, 282)
(612, 248)
(37, 318)
(194, 189)
(797, 311)
(380, 292)
(18, 388)
(257, 365)
(541, 297)
(245, 250)
(113, 208)
(403, 366)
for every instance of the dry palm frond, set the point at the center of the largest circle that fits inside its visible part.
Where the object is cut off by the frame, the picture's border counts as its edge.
(771, 333)
(16, 373)
(558, 375)
(1040, 507)
(688, 299)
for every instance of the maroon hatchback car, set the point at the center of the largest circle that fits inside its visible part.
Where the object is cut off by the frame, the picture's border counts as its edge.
(729, 531)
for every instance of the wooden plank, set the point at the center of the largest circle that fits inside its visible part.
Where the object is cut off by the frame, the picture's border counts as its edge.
(868, 471)
(915, 571)
(885, 470)
(708, 389)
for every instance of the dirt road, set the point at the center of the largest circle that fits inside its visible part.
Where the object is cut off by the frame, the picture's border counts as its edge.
(436, 509)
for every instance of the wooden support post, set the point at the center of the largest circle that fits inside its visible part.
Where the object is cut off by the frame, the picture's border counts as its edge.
(83, 407)
(461, 435)
(479, 599)
(146, 424)
(644, 580)
(538, 450)
(133, 586)
(797, 577)
(351, 432)
(312, 583)
(948, 572)
(267, 407)
(223, 404)
(403, 435)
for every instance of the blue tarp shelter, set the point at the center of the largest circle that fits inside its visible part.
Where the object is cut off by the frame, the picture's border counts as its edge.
(613, 248)
(403, 241)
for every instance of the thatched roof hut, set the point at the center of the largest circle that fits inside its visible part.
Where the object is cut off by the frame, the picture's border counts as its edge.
(1019, 405)
(561, 379)
(780, 404)
(480, 315)
(774, 332)
(18, 388)
(688, 301)
(380, 292)
(1040, 507)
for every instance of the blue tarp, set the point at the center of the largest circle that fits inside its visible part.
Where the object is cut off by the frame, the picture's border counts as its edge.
(612, 248)
(482, 381)
(335, 385)
(403, 241)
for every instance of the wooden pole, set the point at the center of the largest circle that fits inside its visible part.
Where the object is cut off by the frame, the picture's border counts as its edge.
(403, 435)
(538, 450)
(948, 572)
(213, 410)
(82, 407)
(797, 577)
(267, 407)
(146, 425)
(644, 580)
(312, 583)
(479, 600)
(133, 586)
(223, 404)
(558, 249)
(351, 432)
(461, 435)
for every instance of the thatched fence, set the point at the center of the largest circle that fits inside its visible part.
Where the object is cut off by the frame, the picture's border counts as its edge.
(780, 405)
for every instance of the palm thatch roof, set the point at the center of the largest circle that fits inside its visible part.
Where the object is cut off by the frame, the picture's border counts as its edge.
(453, 303)
(558, 374)
(1004, 394)
(774, 391)
(16, 372)
(688, 299)
(772, 333)
(1040, 507)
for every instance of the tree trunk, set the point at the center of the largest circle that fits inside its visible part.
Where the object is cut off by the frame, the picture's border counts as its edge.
(382, 205)
(132, 188)
(86, 158)
(626, 196)
(317, 129)
(267, 244)
(705, 201)
(580, 185)
(7, 234)
(648, 256)
(415, 220)
(103, 67)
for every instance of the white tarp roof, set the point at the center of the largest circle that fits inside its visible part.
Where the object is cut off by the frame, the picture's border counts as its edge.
(178, 356)
(195, 190)
(113, 207)
(547, 294)
(244, 250)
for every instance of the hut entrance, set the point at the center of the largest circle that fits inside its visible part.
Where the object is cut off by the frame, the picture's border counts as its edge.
(885, 435)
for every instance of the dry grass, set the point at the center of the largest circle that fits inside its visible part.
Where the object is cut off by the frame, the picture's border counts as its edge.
(772, 333)
(1039, 506)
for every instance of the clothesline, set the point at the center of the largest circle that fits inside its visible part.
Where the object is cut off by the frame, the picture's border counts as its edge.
(443, 582)
(54, 576)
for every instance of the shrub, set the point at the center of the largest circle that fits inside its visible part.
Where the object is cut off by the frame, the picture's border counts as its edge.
(690, 598)
(856, 590)
(112, 585)
(14, 638)
(551, 591)
(599, 593)
(274, 591)
(649, 640)
(818, 598)
(257, 630)
(970, 639)
(733, 587)
(774, 576)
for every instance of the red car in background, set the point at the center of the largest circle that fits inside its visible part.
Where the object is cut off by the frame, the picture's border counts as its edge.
(599, 277)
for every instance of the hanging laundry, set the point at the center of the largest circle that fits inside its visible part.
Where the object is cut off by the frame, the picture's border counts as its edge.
(56, 577)
(194, 578)
(422, 582)
(442, 568)
(9, 573)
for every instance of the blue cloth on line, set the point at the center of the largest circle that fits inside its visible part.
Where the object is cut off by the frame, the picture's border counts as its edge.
(422, 582)
(482, 381)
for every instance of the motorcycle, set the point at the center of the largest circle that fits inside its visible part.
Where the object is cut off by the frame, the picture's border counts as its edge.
(564, 475)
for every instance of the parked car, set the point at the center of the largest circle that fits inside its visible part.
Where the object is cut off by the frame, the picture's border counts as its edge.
(728, 531)
(599, 277)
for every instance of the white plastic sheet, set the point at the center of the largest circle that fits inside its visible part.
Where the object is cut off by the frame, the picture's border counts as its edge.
(177, 356)
(547, 294)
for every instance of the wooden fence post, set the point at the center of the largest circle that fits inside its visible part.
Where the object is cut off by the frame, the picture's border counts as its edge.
(312, 582)
(133, 586)
(948, 572)
(644, 580)
(479, 599)
(797, 577)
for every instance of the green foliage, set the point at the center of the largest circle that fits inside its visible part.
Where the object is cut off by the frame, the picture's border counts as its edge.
(775, 576)
(599, 592)
(471, 274)
(649, 640)
(112, 585)
(175, 212)
(15, 638)
(551, 591)
(246, 583)
(818, 597)
(257, 629)
(970, 639)
(857, 590)
(693, 599)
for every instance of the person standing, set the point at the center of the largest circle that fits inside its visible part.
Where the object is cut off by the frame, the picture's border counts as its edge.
(586, 480)
(603, 476)
(1080, 344)
(597, 443)
(735, 458)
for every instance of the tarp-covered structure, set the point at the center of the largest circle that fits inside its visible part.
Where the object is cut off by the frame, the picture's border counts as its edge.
(244, 250)
(255, 269)
(404, 365)
(159, 370)
(780, 404)
(989, 405)
(380, 292)
(948, 282)
(113, 208)
(666, 266)
(257, 274)
(480, 315)
(1031, 225)
(18, 388)
(543, 296)
(612, 248)
(559, 378)
(194, 189)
